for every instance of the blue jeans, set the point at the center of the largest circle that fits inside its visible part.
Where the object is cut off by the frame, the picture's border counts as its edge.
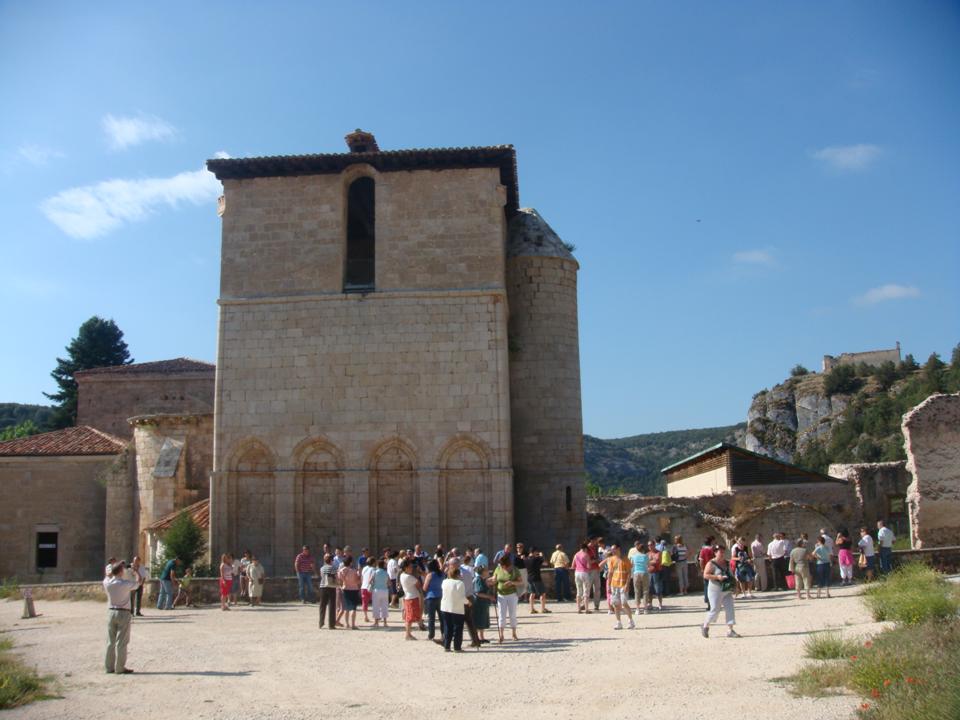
(432, 611)
(561, 581)
(305, 583)
(886, 558)
(165, 597)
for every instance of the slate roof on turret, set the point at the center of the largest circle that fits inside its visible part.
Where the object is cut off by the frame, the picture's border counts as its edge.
(158, 367)
(528, 234)
(503, 157)
(79, 440)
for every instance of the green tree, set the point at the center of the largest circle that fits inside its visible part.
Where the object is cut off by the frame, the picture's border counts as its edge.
(842, 379)
(932, 373)
(185, 540)
(908, 365)
(799, 371)
(955, 357)
(886, 375)
(24, 429)
(98, 344)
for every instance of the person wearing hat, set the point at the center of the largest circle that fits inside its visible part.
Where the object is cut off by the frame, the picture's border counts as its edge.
(118, 620)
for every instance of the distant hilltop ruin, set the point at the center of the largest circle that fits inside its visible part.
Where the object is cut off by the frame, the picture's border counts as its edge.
(872, 357)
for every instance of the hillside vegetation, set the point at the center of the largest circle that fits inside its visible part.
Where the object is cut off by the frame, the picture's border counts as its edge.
(18, 420)
(633, 464)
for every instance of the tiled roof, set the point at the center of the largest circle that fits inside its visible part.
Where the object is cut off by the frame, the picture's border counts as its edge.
(158, 367)
(499, 156)
(199, 512)
(80, 440)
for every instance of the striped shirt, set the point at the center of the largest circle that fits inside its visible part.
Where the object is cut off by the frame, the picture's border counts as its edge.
(304, 563)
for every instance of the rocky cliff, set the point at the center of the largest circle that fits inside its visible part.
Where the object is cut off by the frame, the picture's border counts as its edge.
(784, 420)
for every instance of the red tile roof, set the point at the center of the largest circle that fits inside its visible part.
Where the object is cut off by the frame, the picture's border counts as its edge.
(80, 440)
(158, 367)
(199, 513)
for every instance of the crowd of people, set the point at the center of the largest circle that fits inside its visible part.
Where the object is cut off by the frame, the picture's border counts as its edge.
(444, 592)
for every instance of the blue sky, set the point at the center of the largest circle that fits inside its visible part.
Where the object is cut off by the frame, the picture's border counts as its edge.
(749, 185)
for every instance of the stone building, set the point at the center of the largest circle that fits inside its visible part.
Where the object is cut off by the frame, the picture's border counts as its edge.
(869, 357)
(52, 491)
(398, 355)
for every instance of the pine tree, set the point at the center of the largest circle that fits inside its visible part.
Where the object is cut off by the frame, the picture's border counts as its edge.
(98, 344)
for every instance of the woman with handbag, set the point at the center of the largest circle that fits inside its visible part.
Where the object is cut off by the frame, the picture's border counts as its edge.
(719, 591)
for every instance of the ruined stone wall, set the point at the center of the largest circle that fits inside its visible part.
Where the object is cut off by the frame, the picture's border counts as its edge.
(878, 489)
(931, 434)
(872, 357)
(56, 494)
(160, 496)
(364, 404)
(107, 401)
(547, 425)
(122, 507)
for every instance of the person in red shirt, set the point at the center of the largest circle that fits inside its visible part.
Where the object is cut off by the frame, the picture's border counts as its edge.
(593, 549)
(706, 555)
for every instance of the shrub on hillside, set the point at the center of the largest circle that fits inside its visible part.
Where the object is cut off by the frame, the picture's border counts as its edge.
(799, 371)
(842, 379)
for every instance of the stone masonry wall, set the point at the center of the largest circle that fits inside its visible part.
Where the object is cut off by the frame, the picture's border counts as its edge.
(64, 494)
(387, 386)
(547, 426)
(874, 485)
(106, 402)
(931, 434)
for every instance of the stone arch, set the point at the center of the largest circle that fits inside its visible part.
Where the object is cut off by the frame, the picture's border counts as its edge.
(465, 492)
(318, 492)
(253, 499)
(673, 519)
(394, 494)
(789, 517)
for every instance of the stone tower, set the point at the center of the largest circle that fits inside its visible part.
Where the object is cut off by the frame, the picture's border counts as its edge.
(546, 419)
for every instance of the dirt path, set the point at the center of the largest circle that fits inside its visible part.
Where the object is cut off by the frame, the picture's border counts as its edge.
(274, 663)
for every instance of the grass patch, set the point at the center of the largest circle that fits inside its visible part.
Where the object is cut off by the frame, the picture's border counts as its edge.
(829, 645)
(19, 684)
(819, 679)
(9, 588)
(913, 594)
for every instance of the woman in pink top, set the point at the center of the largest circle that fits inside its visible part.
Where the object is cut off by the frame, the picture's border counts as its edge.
(581, 574)
(349, 580)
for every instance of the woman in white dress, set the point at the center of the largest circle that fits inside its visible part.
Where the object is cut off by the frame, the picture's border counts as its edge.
(255, 577)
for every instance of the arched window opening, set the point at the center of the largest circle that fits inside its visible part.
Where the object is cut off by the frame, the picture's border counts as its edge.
(359, 271)
(569, 499)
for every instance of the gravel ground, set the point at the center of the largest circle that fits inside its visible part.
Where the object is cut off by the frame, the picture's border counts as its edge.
(273, 662)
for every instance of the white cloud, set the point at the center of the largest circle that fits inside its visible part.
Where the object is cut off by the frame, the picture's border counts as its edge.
(38, 154)
(848, 157)
(124, 132)
(93, 210)
(754, 257)
(887, 292)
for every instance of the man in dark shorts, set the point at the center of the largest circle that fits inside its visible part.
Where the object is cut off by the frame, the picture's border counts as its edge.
(533, 562)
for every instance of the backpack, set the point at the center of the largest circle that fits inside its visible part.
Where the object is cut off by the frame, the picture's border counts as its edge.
(666, 558)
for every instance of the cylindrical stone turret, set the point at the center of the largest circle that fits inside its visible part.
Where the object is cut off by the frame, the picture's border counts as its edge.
(546, 417)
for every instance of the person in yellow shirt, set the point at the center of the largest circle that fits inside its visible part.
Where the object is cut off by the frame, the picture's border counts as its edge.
(561, 573)
(618, 578)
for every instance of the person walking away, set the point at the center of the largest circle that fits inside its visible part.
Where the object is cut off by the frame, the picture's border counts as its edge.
(654, 566)
(328, 592)
(561, 573)
(168, 579)
(639, 562)
(758, 553)
(410, 585)
(348, 580)
(255, 577)
(777, 550)
(844, 548)
(704, 556)
(304, 566)
(535, 588)
(226, 580)
(719, 581)
(433, 592)
(885, 540)
(380, 589)
(829, 538)
(683, 571)
(508, 582)
(868, 559)
(118, 592)
(822, 555)
(143, 574)
(482, 597)
(618, 574)
(800, 568)
(581, 576)
(366, 585)
(453, 605)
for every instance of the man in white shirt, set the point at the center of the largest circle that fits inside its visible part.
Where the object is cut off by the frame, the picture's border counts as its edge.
(866, 547)
(778, 550)
(885, 540)
(393, 573)
(758, 553)
(118, 621)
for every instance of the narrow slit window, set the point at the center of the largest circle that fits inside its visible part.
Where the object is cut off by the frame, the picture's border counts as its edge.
(569, 499)
(360, 264)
